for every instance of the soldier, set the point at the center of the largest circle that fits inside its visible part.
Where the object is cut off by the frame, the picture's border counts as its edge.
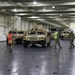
(56, 38)
(71, 37)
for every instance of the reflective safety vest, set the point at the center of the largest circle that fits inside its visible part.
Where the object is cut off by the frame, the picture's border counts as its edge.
(10, 38)
(56, 35)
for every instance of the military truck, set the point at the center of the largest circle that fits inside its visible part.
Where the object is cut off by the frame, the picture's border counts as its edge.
(65, 35)
(18, 36)
(52, 35)
(37, 36)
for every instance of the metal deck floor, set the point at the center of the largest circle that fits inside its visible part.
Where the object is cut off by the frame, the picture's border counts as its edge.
(37, 60)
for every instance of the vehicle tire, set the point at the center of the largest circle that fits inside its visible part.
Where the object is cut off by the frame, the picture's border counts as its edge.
(62, 37)
(33, 44)
(48, 44)
(17, 42)
(43, 43)
(25, 44)
(20, 42)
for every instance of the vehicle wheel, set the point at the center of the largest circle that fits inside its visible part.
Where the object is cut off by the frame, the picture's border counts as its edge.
(20, 42)
(33, 44)
(25, 44)
(62, 37)
(17, 42)
(48, 44)
(43, 43)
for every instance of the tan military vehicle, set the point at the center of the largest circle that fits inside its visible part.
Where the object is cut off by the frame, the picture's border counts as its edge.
(52, 35)
(18, 36)
(65, 35)
(37, 36)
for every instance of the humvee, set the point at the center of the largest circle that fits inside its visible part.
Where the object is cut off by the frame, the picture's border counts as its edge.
(65, 34)
(52, 35)
(37, 36)
(18, 36)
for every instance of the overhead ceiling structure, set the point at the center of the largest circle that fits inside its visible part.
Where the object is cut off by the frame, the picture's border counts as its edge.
(51, 12)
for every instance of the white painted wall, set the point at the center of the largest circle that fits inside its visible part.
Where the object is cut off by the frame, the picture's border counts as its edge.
(4, 23)
(2, 33)
(31, 25)
(72, 26)
(23, 25)
(6, 30)
(16, 23)
(26, 25)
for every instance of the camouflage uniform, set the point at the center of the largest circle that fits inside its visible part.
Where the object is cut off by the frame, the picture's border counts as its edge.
(71, 37)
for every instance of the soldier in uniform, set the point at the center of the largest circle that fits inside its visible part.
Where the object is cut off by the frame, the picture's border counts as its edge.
(71, 37)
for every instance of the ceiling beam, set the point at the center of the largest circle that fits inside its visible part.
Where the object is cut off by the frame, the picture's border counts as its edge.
(37, 0)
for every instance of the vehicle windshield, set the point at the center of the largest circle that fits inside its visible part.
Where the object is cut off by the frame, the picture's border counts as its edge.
(40, 33)
(68, 32)
(14, 32)
(31, 32)
(20, 32)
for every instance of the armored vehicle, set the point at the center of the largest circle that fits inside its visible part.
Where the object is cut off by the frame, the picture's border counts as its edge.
(65, 35)
(18, 36)
(37, 36)
(52, 35)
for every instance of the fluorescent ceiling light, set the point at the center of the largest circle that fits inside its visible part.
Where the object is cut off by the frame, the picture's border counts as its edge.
(49, 14)
(39, 19)
(33, 17)
(44, 9)
(15, 10)
(68, 3)
(41, 10)
(53, 6)
(19, 10)
(60, 14)
(34, 2)
(21, 14)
